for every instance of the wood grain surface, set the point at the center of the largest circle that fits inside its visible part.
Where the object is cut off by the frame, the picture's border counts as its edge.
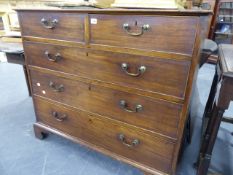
(151, 150)
(164, 33)
(162, 75)
(69, 26)
(163, 118)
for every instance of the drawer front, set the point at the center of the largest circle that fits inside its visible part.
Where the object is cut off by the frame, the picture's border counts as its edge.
(159, 33)
(113, 136)
(155, 115)
(53, 25)
(146, 73)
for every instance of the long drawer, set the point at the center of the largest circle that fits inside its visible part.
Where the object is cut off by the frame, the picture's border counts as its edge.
(152, 114)
(159, 33)
(53, 25)
(150, 150)
(146, 73)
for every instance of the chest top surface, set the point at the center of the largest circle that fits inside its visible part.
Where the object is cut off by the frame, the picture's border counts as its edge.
(179, 12)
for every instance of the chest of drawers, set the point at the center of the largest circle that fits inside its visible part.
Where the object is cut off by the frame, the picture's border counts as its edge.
(118, 81)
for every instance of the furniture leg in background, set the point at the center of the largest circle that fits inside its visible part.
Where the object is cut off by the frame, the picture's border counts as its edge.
(219, 99)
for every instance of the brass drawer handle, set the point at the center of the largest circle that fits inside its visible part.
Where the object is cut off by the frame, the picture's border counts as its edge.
(49, 24)
(127, 28)
(124, 105)
(125, 67)
(134, 142)
(51, 58)
(56, 88)
(58, 117)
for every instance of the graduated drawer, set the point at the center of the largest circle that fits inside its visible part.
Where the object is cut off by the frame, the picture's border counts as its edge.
(151, 114)
(165, 76)
(53, 25)
(123, 140)
(158, 33)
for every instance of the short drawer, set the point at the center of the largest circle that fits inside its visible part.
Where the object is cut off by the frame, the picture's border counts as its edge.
(158, 33)
(152, 114)
(165, 76)
(120, 139)
(53, 25)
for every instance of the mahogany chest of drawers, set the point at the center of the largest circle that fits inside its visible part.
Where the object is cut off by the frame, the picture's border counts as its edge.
(118, 81)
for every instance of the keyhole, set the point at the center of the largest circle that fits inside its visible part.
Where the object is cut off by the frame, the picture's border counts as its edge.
(90, 120)
(136, 23)
(89, 87)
